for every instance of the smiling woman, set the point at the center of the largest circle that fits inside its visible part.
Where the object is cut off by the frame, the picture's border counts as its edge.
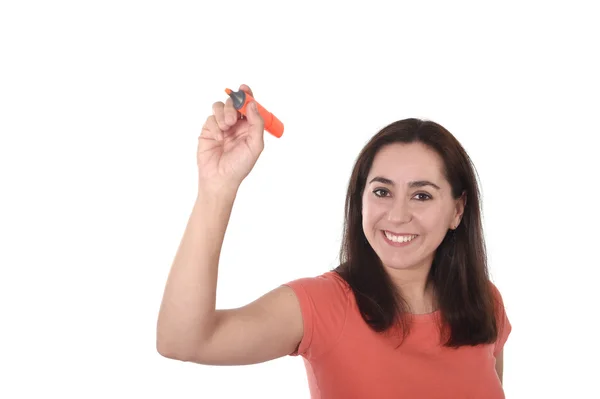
(414, 269)
(409, 312)
(414, 178)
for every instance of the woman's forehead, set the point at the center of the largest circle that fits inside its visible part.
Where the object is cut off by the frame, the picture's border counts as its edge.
(403, 163)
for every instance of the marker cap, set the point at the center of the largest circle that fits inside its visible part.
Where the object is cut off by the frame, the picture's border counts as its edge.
(241, 99)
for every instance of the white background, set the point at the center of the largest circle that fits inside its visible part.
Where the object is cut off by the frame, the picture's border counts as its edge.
(101, 104)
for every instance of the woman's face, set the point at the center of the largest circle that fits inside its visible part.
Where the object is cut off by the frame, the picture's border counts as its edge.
(407, 196)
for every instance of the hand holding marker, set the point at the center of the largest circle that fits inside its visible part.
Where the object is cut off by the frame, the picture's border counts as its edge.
(229, 147)
(241, 99)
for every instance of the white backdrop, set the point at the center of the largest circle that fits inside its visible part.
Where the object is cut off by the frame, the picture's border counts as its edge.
(101, 104)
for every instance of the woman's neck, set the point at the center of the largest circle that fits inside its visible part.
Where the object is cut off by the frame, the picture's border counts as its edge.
(415, 289)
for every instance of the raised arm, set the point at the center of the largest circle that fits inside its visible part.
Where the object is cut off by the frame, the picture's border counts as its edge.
(189, 328)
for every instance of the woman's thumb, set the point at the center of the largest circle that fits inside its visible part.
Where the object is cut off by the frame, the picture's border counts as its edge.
(255, 122)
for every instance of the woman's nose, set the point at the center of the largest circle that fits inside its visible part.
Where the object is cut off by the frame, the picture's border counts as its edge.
(399, 211)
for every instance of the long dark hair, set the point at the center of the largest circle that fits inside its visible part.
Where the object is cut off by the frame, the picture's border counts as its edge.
(459, 273)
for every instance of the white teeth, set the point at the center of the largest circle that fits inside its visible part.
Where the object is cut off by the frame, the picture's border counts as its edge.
(399, 238)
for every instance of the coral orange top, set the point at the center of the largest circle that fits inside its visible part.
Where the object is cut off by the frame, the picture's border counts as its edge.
(345, 359)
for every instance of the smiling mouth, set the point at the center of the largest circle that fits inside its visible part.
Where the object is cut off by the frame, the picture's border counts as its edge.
(399, 239)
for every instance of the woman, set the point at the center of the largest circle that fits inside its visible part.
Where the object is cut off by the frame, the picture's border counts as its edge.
(410, 311)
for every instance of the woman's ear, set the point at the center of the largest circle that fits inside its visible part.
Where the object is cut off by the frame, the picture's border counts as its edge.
(461, 204)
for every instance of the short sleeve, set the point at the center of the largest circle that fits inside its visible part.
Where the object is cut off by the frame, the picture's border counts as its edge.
(324, 301)
(504, 326)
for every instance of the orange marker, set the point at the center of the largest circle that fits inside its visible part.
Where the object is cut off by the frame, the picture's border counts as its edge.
(240, 101)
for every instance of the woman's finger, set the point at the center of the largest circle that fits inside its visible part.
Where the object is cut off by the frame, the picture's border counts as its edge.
(219, 115)
(211, 129)
(247, 89)
(231, 114)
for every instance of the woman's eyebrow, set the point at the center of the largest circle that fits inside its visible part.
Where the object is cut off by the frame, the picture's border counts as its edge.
(412, 184)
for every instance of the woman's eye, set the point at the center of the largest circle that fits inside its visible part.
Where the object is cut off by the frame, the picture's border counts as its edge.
(424, 197)
(380, 190)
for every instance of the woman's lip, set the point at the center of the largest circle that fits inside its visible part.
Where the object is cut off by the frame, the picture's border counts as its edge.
(397, 244)
(400, 234)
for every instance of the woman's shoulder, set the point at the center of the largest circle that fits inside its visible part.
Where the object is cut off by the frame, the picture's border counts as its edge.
(496, 295)
(327, 284)
(324, 302)
(503, 323)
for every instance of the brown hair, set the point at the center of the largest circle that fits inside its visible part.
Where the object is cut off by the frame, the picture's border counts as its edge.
(459, 273)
